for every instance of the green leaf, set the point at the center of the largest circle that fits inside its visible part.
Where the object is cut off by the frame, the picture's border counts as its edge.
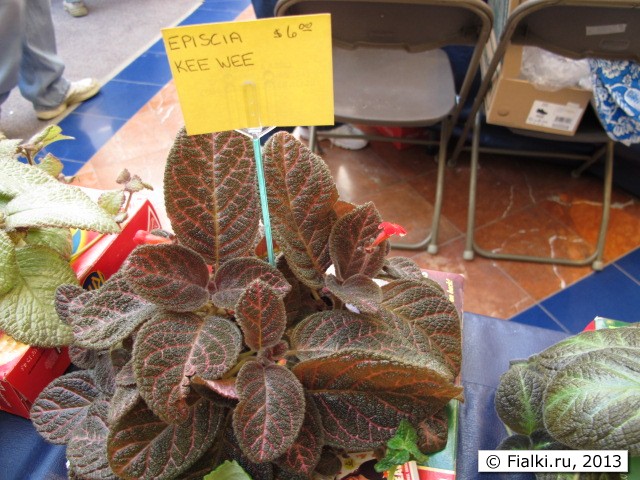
(143, 447)
(58, 239)
(8, 263)
(268, 418)
(363, 396)
(228, 471)
(169, 275)
(518, 399)
(101, 318)
(406, 439)
(171, 348)
(112, 201)
(27, 312)
(593, 402)
(8, 152)
(87, 447)
(47, 136)
(51, 165)
(302, 195)
(261, 315)
(351, 234)
(235, 276)
(428, 309)
(211, 194)
(358, 290)
(63, 405)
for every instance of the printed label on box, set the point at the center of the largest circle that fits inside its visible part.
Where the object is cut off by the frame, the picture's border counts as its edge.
(555, 116)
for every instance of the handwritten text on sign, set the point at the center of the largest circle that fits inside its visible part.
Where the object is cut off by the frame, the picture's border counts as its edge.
(258, 73)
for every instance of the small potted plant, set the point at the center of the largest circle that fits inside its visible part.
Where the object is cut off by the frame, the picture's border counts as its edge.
(198, 351)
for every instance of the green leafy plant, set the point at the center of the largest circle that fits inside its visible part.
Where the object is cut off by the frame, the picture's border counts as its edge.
(37, 211)
(401, 448)
(582, 393)
(198, 351)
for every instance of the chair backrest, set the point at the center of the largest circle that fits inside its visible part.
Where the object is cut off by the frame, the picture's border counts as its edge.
(607, 29)
(414, 25)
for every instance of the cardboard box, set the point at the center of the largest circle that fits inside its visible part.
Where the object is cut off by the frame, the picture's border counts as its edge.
(26, 370)
(517, 103)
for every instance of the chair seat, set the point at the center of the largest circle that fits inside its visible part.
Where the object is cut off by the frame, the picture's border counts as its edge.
(410, 88)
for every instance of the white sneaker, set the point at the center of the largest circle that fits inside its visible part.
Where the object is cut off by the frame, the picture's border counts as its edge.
(75, 9)
(78, 92)
(344, 129)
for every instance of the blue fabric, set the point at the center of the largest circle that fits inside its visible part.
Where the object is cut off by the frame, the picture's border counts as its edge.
(616, 87)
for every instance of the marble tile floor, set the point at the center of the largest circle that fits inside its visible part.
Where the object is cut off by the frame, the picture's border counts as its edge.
(523, 205)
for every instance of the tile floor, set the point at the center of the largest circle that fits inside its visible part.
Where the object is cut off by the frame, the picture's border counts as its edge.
(523, 205)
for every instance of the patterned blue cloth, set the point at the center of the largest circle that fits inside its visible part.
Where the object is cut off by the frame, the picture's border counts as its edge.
(616, 90)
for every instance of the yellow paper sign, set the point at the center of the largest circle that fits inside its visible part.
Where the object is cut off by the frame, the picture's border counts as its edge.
(257, 73)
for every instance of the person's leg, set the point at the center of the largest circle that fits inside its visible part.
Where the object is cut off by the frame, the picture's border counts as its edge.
(12, 14)
(40, 80)
(264, 8)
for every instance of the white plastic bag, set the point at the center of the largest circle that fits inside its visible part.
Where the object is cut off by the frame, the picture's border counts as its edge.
(548, 71)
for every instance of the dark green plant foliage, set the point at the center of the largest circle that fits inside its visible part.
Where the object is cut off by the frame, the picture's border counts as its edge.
(277, 368)
(582, 393)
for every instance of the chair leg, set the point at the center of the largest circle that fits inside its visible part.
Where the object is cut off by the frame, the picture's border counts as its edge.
(313, 139)
(468, 253)
(606, 206)
(594, 158)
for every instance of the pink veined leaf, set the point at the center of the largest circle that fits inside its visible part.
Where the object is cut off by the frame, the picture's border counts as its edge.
(302, 196)
(403, 267)
(261, 315)
(351, 234)
(303, 456)
(433, 431)
(362, 396)
(63, 405)
(358, 290)
(211, 194)
(428, 309)
(270, 413)
(171, 348)
(143, 447)
(235, 276)
(169, 275)
(87, 447)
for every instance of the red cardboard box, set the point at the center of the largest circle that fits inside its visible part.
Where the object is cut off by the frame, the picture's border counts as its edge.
(26, 370)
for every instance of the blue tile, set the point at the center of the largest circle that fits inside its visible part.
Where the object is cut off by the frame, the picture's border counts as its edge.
(157, 47)
(630, 264)
(90, 133)
(229, 5)
(118, 99)
(71, 167)
(609, 293)
(149, 68)
(537, 317)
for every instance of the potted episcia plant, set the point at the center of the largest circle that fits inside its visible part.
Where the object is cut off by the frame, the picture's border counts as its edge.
(582, 393)
(37, 211)
(198, 351)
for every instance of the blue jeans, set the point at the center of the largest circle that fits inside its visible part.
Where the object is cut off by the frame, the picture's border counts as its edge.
(264, 8)
(28, 57)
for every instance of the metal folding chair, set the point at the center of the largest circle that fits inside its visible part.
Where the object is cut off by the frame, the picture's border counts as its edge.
(577, 29)
(389, 68)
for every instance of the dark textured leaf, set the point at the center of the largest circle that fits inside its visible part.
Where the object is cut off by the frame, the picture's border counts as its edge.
(261, 315)
(63, 405)
(231, 451)
(87, 448)
(169, 275)
(350, 235)
(69, 296)
(304, 454)
(516, 442)
(171, 348)
(329, 463)
(82, 357)
(402, 268)
(593, 403)
(211, 194)
(429, 309)
(324, 333)
(141, 446)
(301, 195)
(362, 396)
(433, 432)
(235, 276)
(269, 416)
(124, 399)
(105, 373)
(518, 398)
(109, 314)
(126, 376)
(358, 290)
(276, 352)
